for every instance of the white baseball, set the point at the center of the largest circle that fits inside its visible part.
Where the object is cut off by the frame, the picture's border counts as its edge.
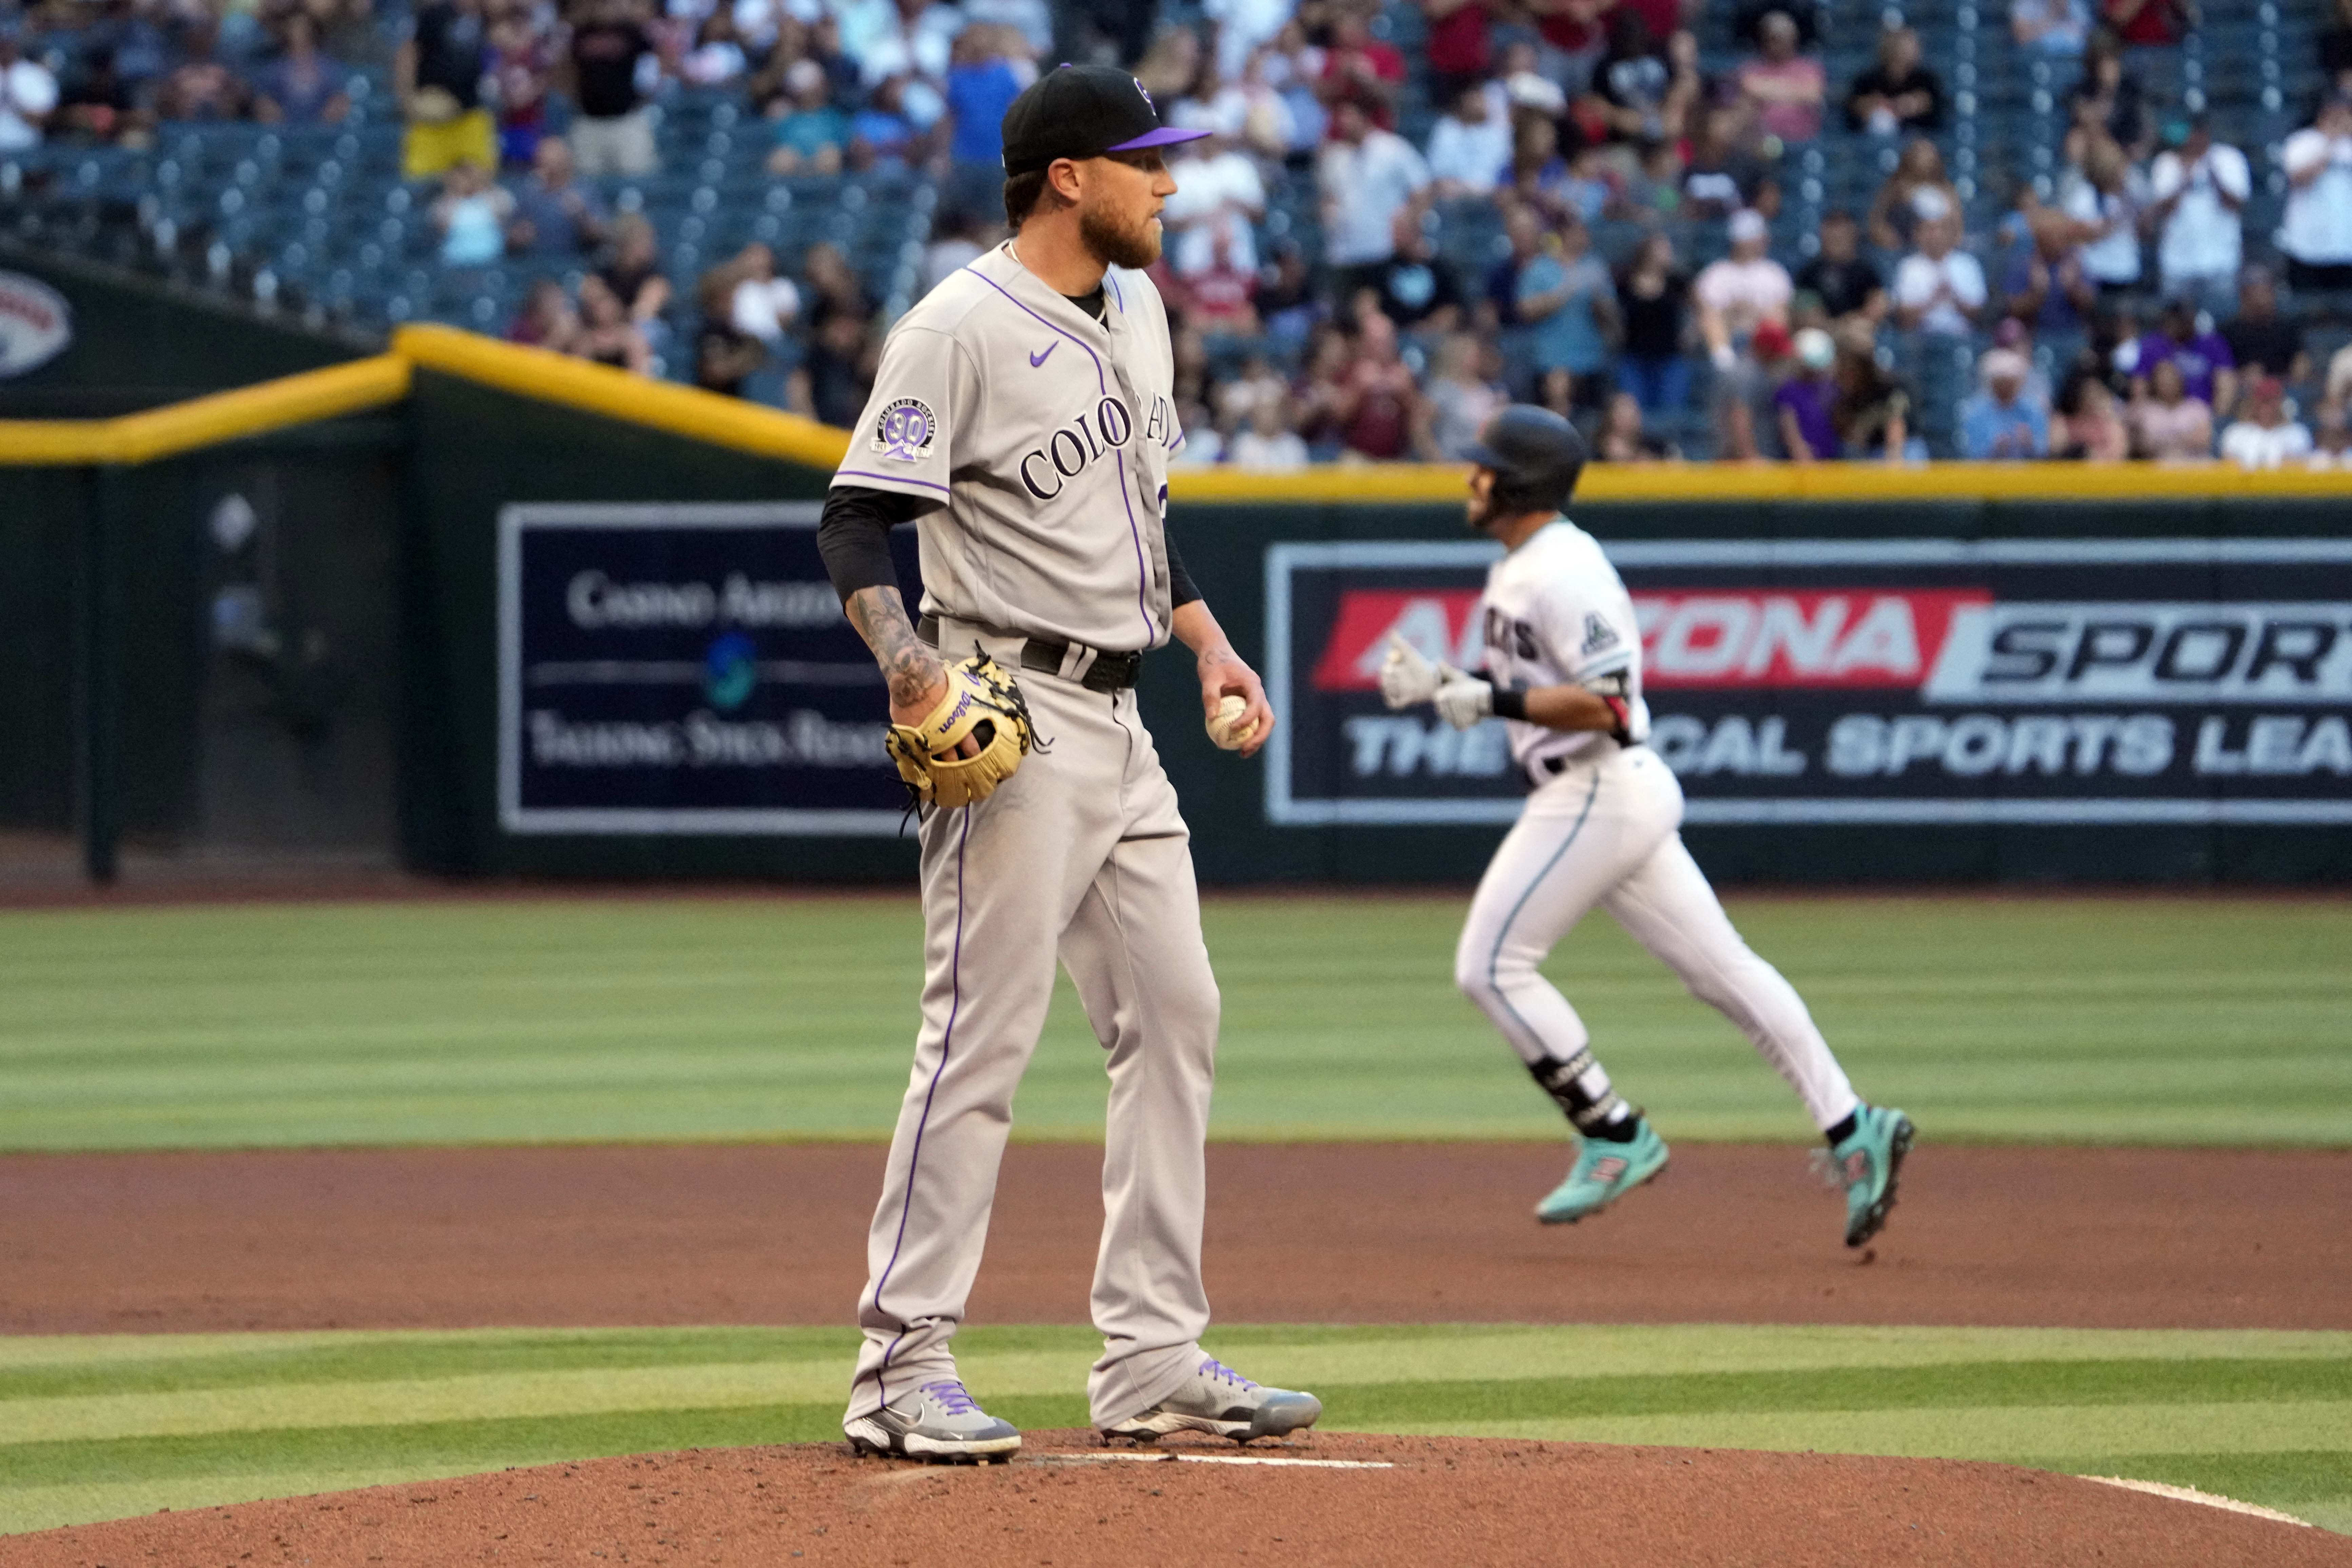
(1220, 724)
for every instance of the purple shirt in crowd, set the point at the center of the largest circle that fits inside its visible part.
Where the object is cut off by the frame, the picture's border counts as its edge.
(1810, 401)
(2198, 358)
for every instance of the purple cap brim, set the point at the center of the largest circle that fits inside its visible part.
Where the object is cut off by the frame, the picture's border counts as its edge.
(1165, 136)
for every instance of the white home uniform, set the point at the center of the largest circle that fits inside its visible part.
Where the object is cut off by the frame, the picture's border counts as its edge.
(1047, 434)
(1602, 828)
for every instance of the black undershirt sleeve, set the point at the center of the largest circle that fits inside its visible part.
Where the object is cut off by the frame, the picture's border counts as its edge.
(1181, 591)
(854, 535)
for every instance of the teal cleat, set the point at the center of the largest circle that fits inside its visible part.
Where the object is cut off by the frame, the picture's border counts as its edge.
(1603, 1173)
(1867, 1165)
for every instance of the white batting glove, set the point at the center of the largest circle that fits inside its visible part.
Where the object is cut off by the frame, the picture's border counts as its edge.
(1463, 701)
(1407, 676)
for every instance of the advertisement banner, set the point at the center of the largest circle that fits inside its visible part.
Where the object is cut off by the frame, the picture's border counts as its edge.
(2048, 680)
(683, 669)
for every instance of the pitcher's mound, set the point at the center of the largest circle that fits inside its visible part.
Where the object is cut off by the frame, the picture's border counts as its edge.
(1369, 1500)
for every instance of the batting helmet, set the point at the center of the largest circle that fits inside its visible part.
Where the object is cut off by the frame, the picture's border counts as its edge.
(1536, 455)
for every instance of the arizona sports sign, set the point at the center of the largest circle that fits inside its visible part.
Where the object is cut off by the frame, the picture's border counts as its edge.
(2112, 681)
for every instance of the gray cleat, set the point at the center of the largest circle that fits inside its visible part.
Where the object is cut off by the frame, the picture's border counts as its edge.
(937, 1421)
(1220, 1400)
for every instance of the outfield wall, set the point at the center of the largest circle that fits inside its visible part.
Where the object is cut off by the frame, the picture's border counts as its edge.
(609, 649)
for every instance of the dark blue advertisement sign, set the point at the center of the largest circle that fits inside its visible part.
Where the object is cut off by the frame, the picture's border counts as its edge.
(2113, 682)
(683, 668)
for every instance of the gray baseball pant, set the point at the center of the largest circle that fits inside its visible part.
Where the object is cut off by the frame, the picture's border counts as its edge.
(1081, 854)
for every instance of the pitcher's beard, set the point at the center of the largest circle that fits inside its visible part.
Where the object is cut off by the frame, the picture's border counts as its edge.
(1135, 248)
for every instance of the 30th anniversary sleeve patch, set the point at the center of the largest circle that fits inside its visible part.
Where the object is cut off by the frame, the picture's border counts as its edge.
(904, 430)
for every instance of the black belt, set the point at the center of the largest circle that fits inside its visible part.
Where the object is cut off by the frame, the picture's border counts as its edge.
(1108, 672)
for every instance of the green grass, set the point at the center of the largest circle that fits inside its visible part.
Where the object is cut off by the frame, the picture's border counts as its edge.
(2065, 1019)
(108, 1427)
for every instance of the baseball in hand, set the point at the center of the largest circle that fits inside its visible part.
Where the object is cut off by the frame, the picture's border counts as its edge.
(1221, 724)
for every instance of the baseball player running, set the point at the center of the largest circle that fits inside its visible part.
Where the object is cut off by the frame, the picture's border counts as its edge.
(1023, 417)
(1563, 666)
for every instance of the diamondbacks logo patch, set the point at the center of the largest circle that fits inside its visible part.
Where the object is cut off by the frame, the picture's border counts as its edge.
(905, 429)
(1598, 635)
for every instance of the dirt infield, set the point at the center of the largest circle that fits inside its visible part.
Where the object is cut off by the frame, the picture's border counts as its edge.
(1433, 1501)
(1312, 1233)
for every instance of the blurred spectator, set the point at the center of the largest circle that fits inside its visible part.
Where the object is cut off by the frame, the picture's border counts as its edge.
(1287, 304)
(955, 244)
(1460, 400)
(1527, 87)
(607, 335)
(1219, 194)
(2046, 288)
(726, 353)
(1621, 438)
(1805, 403)
(1747, 21)
(1031, 19)
(2167, 424)
(2317, 234)
(2331, 438)
(1783, 88)
(1243, 27)
(1416, 289)
(546, 320)
(470, 215)
(301, 87)
(1940, 287)
(2055, 27)
(2208, 371)
(437, 74)
(1523, 234)
(2108, 98)
(1290, 67)
(613, 131)
(990, 66)
(2198, 190)
(2335, 46)
(1652, 302)
(883, 134)
(1747, 420)
(1873, 409)
(1636, 89)
(1458, 46)
(1379, 405)
(718, 57)
(811, 135)
(634, 274)
(1721, 178)
(2145, 21)
(914, 38)
(1471, 143)
(1917, 188)
(2265, 438)
(1256, 382)
(522, 66)
(1219, 298)
(1367, 176)
(1999, 423)
(2260, 339)
(1567, 297)
(831, 383)
(2090, 430)
(1359, 70)
(201, 87)
(1572, 39)
(1741, 293)
(758, 302)
(1265, 439)
(1898, 93)
(97, 104)
(2106, 209)
(831, 287)
(553, 215)
(1845, 282)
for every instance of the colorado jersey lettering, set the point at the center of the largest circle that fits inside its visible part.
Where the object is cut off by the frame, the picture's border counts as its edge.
(1044, 435)
(1556, 614)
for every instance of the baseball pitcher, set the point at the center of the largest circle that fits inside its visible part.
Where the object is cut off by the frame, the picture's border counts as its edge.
(1563, 667)
(1022, 418)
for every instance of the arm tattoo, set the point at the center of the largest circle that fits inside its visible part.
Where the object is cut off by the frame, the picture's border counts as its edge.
(908, 664)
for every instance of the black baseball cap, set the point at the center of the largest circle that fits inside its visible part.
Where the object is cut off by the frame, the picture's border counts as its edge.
(1083, 111)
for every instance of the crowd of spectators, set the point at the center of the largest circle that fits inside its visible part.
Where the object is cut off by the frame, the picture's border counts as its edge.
(1353, 336)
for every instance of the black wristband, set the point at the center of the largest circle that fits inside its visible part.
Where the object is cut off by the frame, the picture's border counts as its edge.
(1510, 702)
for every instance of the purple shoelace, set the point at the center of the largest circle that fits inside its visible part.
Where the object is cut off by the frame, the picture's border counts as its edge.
(949, 1395)
(1211, 1367)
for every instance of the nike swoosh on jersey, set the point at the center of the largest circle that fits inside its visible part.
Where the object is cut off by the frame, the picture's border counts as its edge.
(1037, 359)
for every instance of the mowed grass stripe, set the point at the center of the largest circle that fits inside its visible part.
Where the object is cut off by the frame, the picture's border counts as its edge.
(2086, 1020)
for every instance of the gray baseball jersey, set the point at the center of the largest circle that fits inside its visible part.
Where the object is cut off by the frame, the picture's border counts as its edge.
(1047, 433)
